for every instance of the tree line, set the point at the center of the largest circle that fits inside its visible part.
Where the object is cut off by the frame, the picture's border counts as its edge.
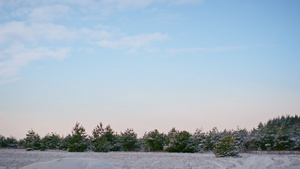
(280, 133)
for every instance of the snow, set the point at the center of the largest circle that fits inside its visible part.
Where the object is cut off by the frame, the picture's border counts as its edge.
(17, 158)
(74, 163)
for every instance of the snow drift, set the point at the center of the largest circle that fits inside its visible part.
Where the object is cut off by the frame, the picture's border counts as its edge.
(74, 163)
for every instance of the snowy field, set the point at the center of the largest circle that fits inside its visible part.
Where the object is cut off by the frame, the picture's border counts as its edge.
(17, 158)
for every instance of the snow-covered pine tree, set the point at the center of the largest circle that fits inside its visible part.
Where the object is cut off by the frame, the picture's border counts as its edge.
(104, 139)
(8, 141)
(50, 141)
(78, 140)
(129, 140)
(32, 141)
(226, 147)
(63, 143)
(212, 138)
(240, 136)
(197, 141)
(178, 141)
(153, 141)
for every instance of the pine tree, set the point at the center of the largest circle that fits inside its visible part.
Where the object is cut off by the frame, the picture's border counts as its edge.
(226, 147)
(104, 139)
(32, 141)
(153, 141)
(50, 141)
(212, 138)
(197, 141)
(129, 140)
(63, 143)
(179, 141)
(8, 142)
(240, 136)
(78, 140)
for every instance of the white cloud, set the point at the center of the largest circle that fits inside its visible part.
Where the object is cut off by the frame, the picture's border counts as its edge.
(15, 32)
(18, 56)
(199, 49)
(124, 4)
(49, 13)
(135, 4)
(53, 9)
(22, 43)
(179, 2)
(132, 43)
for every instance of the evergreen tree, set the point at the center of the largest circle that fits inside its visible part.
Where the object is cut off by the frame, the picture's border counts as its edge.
(197, 141)
(104, 139)
(129, 140)
(240, 136)
(8, 142)
(226, 147)
(281, 133)
(2, 141)
(32, 141)
(63, 143)
(153, 141)
(212, 138)
(78, 140)
(50, 141)
(178, 141)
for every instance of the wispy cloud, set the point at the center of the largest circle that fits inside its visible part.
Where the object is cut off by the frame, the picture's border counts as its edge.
(200, 49)
(32, 32)
(18, 56)
(132, 43)
(49, 13)
(53, 9)
(13, 32)
(23, 43)
(179, 2)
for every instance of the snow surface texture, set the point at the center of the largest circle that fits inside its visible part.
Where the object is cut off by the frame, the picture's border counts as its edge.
(73, 163)
(17, 158)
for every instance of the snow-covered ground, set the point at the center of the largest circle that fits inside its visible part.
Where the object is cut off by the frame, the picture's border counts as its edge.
(17, 158)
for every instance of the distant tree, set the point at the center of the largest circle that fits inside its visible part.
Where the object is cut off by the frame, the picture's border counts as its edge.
(179, 141)
(8, 141)
(226, 147)
(50, 141)
(153, 141)
(212, 137)
(281, 133)
(104, 139)
(129, 140)
(197, 141)
(78, 142)
(32, 141)
(63, 143)
(2, 141)
(240, 136)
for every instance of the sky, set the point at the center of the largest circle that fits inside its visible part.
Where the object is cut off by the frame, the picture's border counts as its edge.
(145, 65)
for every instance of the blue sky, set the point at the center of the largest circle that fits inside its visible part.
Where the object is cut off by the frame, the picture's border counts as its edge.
(152, 64)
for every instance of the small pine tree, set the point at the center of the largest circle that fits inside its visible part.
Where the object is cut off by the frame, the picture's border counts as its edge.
(153, 141)
(78, 140)
(63, 143)
(2, 141)
(129, 140)
(8, 142)
(179, 141)
(104, 139)
(32, 141)
(50, 141)
(226, 147)
(211, 139)
(197, 141)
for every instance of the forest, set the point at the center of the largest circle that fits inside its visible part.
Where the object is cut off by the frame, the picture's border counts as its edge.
(278, 134)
